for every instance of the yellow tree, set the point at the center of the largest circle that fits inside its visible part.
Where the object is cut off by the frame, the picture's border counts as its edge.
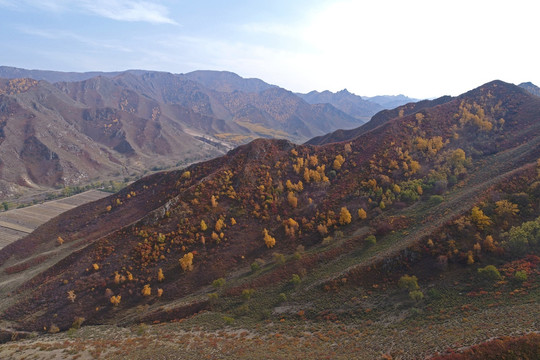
(479, 218)
(344, 216)
(269, 241)
(362, 214)
(338, 162)
(203, 226)
(160, 275)
(115, 300)
(186, 262)
(293, 200)
(147, 290)
(219, 225)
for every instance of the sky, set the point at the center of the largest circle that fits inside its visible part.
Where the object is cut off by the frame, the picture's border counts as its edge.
(423, 49)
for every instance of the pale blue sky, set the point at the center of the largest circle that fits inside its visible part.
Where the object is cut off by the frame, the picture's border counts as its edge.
(422, 48)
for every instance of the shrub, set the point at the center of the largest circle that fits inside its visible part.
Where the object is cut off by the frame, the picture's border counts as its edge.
(228, 320)
(77, 322)
(435, 199)
(408, 282)
(489, 272)
(520, 276)
(247, 293)
(296, 279)
(371, 240)
(218, 283)
(416, 295)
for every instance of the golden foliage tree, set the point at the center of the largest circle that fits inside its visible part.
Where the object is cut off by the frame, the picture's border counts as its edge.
(115, 300)
(186, 262)
(71, 295)
(506, 209)
(338, 162)
(344, 216)
(203, 226)
(160, 275)
(479, 218)
(147, 290)
(269, 241)
(362, 214)
(293, 200)
(219, 225)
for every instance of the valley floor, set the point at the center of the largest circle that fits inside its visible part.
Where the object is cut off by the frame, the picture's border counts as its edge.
(16, 224)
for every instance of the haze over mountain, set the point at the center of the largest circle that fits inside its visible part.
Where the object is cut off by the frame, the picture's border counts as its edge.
(426, 224)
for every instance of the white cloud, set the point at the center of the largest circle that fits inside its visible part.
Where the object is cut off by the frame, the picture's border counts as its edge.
(123, 10)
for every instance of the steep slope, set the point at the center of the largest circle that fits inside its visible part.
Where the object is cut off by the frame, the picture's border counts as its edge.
(343, 100)
(271, 112)
(74, 133)
(429, 186)
(377, 120)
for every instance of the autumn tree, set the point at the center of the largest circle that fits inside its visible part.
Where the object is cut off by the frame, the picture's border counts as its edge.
(160, 275)
(291, 226)
(269, 241)
(293, 200)
(219, 225)
(338, 162)
(203, 226)
(479, 218)
(186, 262)
(147, 290)
(362, 214)
(506, 209)
(344, 216)
(115, 300)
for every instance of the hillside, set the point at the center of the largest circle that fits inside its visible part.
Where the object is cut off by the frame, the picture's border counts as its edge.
(405, 241)
(378, 119)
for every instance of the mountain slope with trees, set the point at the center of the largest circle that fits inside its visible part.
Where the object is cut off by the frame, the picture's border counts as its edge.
(428, 221)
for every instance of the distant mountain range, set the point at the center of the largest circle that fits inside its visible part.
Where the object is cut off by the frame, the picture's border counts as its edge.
(68, 128)
(362, 108)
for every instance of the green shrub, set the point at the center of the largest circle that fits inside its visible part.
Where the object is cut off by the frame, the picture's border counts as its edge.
(409, 282)
(296, 279)
(371, 240)
(247, 293)
(435, 199)
(228, 320)
(218, 283)
(489, 272)
(520, 276)
(416, 295)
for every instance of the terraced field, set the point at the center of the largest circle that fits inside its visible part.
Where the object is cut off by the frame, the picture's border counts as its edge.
(17, 223)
